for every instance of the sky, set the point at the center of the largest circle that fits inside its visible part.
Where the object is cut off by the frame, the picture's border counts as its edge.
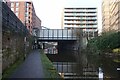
(50, 11)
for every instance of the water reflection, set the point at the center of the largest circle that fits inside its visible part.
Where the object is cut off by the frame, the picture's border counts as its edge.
(100, 73)
(109, 67)
(75, 65)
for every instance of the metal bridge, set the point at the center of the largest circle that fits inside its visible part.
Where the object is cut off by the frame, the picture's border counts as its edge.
(65, 37)
(56, 34)
(62, 34)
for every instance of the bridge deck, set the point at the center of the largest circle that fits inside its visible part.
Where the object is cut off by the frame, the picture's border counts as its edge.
(57, 34)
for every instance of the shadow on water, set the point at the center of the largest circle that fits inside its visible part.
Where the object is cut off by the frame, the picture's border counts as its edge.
(62, 57)
(74, 65)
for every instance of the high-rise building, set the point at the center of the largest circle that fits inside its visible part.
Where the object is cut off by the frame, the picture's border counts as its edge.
(83, 18)
(110, 15)
(25, 11)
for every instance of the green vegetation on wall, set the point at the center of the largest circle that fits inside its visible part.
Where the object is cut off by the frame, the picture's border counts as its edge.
(105, 43)
(49, 70)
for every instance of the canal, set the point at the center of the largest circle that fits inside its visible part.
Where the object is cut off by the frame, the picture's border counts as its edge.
(75, 65)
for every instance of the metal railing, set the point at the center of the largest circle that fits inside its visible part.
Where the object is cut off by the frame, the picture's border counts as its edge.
(57, 34)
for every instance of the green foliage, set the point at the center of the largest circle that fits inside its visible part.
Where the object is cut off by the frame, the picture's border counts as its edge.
(49, 70)
(12, 68)
(116, 60)
(117, 50)
(106, 42)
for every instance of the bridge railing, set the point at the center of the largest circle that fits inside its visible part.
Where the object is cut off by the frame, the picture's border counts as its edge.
(58, 34)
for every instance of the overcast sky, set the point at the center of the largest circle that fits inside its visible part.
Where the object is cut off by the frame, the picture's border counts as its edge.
(49, 11)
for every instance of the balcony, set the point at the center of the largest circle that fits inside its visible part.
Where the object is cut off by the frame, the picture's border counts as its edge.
(80, 18)
(81, 22)
(82, 27)
(82, 14)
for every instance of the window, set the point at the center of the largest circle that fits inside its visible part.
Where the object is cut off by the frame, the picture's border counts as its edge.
(12, 9)
(26, 19)
(27, 9)
(16, 13)
(27, 4)
(26, 14)
(12, 4)
(17, 9)
(17, 4)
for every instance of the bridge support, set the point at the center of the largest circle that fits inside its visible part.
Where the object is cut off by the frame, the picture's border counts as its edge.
(67, 45)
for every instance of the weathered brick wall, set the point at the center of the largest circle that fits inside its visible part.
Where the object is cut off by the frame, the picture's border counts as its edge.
(12, 47)
(13, 34)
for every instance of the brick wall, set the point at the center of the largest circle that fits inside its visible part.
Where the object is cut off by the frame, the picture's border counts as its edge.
(13, 34)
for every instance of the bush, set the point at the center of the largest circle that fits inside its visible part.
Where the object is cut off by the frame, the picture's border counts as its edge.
(106, 42)
(117, 50)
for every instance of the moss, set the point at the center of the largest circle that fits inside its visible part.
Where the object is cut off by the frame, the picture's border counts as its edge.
(49, 70)
(116, 60)
(9, 71)
(117, 50)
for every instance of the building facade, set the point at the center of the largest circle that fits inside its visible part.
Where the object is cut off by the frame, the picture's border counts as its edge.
(26, 13)
(111, 15)
(83, 18)
(7, 2)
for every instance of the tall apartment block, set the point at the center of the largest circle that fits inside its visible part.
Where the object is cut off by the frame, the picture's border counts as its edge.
(83, 18)
(111, 15)
(25, 11)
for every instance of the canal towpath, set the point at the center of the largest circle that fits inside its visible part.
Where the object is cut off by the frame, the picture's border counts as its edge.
(31, 67)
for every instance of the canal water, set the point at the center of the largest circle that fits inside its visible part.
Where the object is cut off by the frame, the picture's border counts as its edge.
(75, 65)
